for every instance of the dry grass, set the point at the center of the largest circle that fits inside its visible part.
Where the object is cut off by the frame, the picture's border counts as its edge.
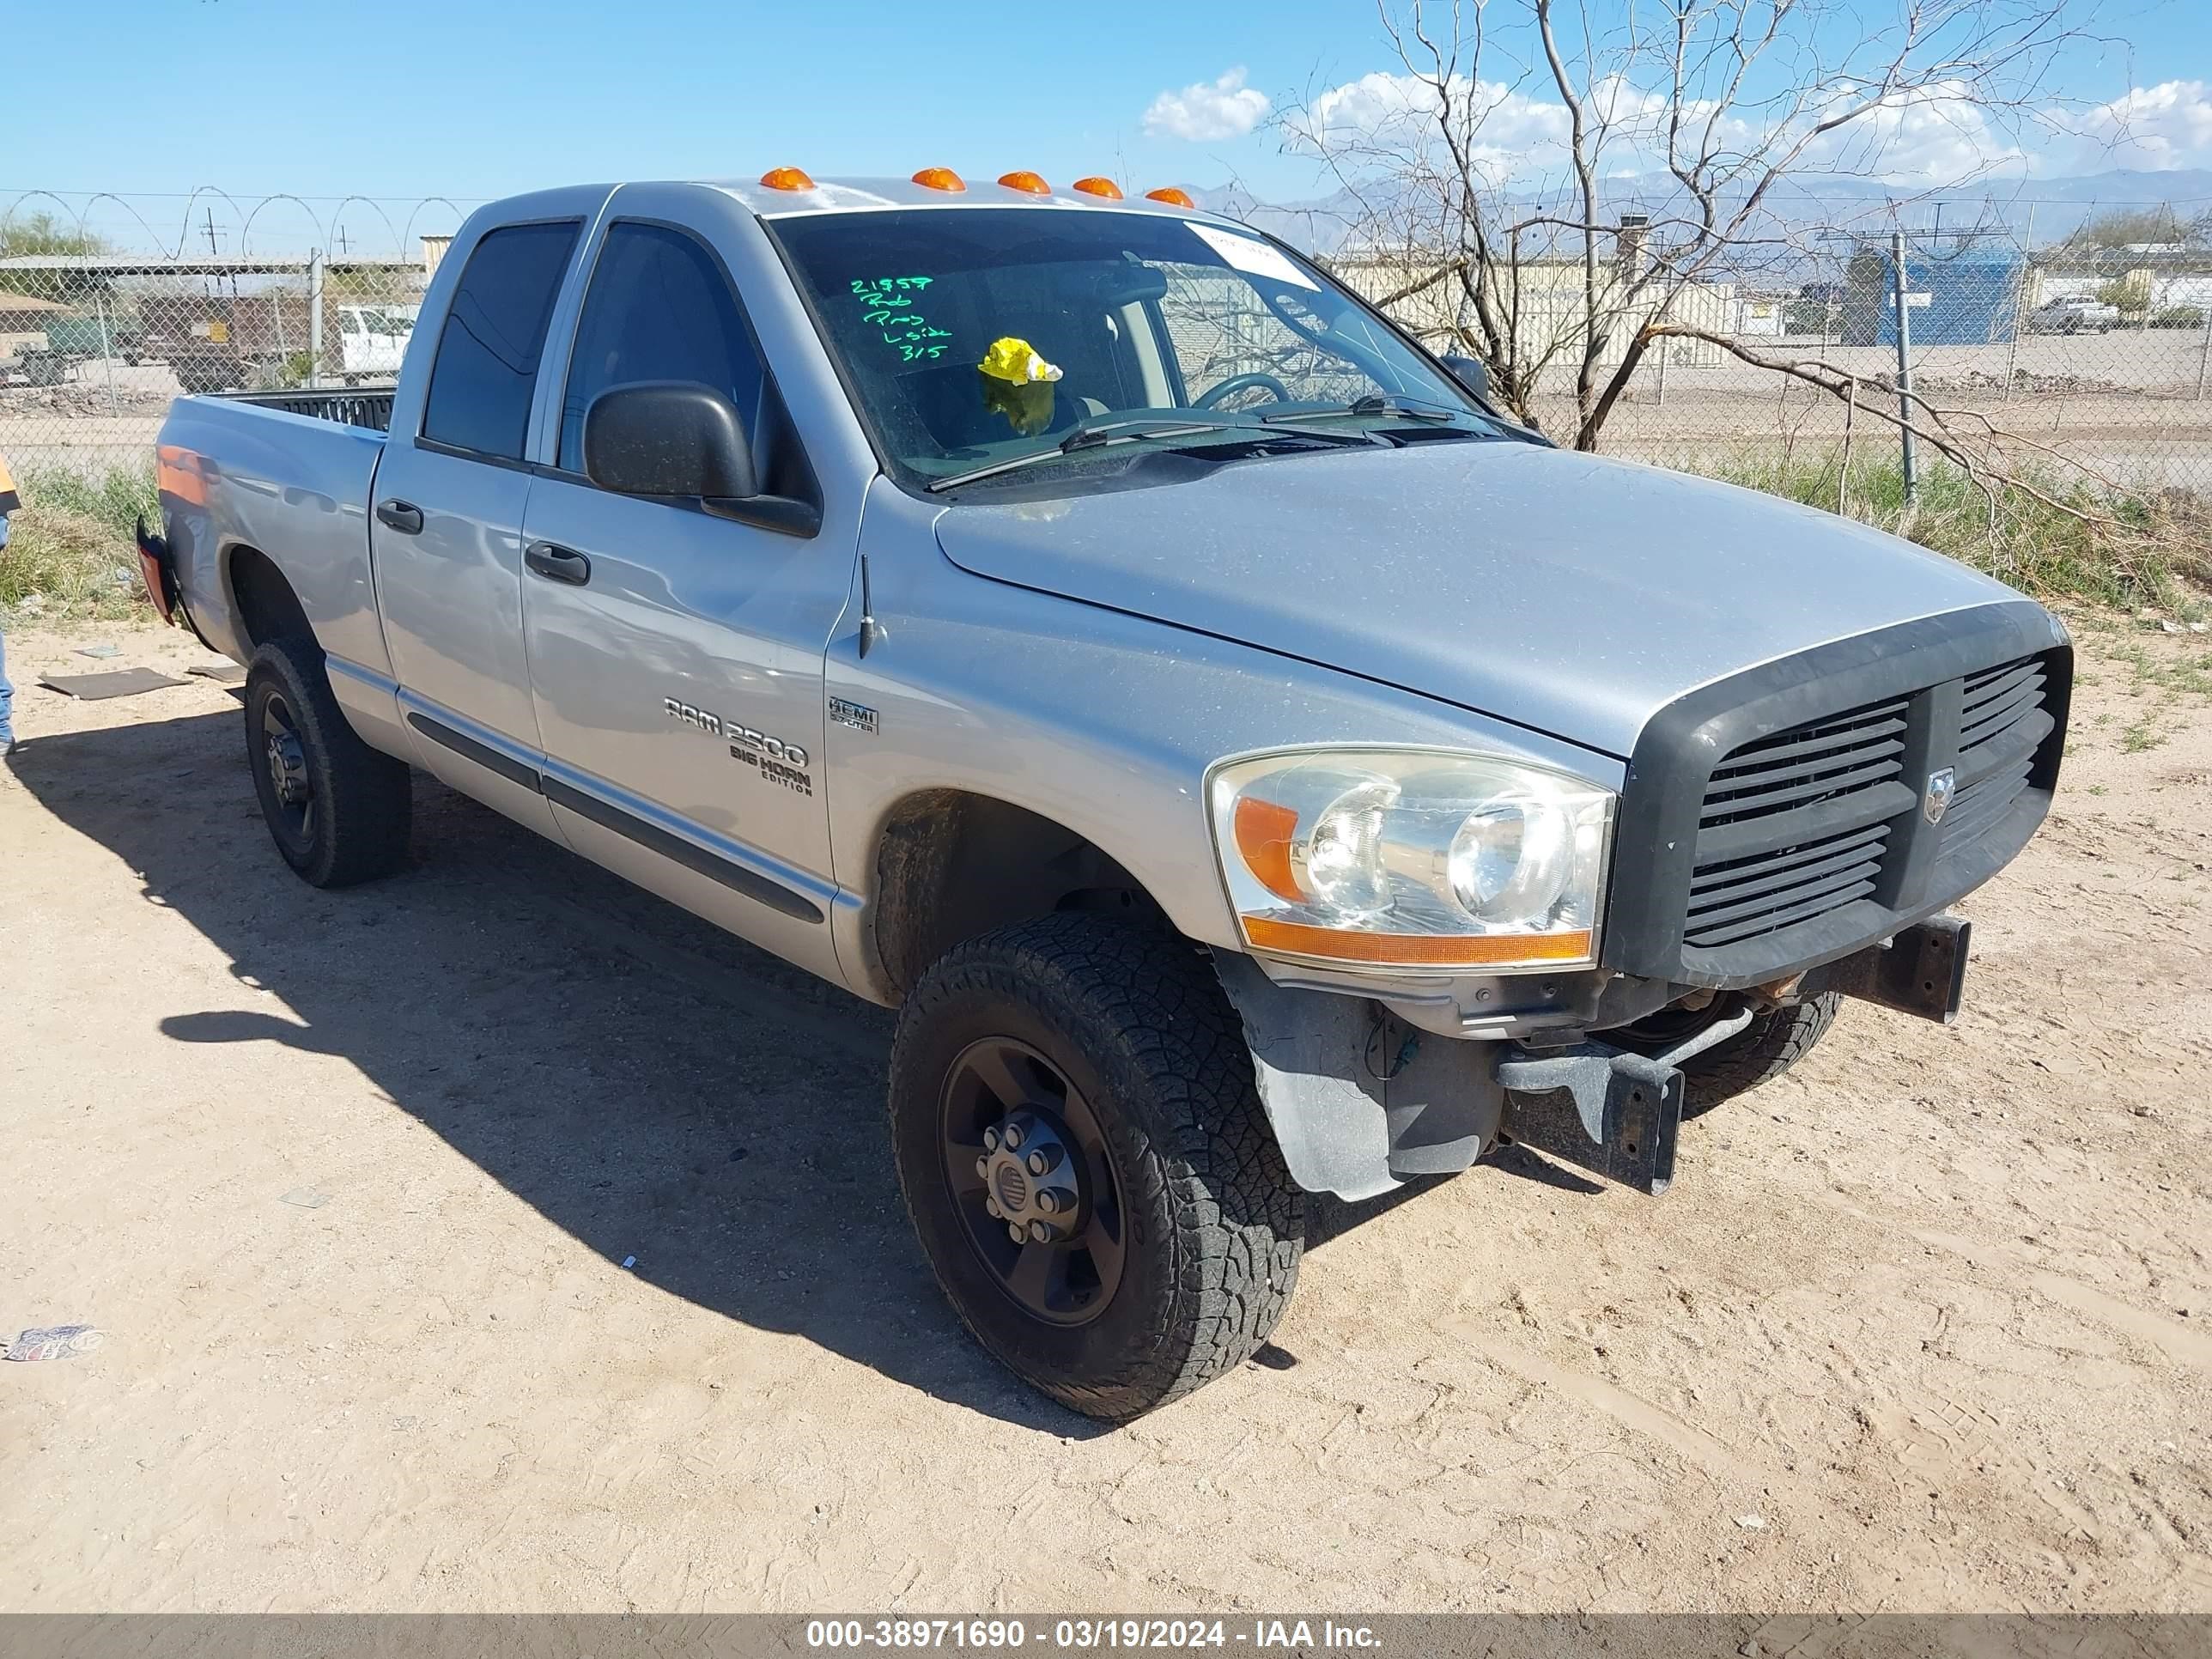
(69, 552)
(2127, 551)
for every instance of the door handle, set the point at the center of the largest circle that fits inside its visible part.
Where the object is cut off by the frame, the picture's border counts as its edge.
(404, 516)
(558, 564)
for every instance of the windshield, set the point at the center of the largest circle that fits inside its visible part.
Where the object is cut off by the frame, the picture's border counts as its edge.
(978, 337)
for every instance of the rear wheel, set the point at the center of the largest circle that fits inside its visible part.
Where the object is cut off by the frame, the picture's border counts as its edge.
(1084, 1153)
(337, 809)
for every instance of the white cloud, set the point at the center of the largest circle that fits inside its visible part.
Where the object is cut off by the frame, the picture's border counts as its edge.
(1208, 111)
(1936, 136)
(2152, 128)
(1385, 109)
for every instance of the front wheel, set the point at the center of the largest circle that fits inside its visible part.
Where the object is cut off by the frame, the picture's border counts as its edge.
(337, 809)
(1087, 1163)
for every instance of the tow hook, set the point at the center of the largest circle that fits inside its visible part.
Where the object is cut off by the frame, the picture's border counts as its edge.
(1031, 1178)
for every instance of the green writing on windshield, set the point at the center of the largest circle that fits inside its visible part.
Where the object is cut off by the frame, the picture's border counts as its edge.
(892, 306)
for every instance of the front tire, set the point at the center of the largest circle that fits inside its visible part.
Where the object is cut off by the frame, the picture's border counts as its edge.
(337, 809)
(1086, 1082)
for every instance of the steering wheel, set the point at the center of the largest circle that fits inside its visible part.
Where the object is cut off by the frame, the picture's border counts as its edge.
(1211, 399)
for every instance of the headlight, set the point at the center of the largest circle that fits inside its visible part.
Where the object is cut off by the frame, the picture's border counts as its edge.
(1413, 858)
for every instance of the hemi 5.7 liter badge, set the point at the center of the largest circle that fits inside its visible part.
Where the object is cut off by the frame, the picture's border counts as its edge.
(858, 715)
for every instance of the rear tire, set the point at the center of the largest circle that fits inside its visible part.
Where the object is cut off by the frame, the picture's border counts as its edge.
(1128, 1067)
(1774, 1042)
(337, 810)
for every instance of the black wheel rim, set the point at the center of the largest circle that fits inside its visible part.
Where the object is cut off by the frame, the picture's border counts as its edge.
(1006, 1111)
(283, 758)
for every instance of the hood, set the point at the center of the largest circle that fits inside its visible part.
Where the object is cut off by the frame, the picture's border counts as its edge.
(1551, 589)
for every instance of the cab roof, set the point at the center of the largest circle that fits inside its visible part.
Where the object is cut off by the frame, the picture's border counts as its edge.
(861, 195)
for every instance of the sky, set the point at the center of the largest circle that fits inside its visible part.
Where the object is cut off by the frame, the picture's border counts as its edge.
(402, 99)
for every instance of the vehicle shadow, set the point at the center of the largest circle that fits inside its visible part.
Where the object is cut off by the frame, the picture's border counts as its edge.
(653, 1086)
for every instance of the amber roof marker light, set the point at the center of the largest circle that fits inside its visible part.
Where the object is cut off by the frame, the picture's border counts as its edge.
(1171, 195)
(786, 178)
(1102, 187)
(940, 179)
(1029, 183)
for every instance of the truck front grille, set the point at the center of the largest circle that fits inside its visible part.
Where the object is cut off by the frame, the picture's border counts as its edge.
(2001, 725)
(1741, 898)
(1792, 826)
(1780, 817)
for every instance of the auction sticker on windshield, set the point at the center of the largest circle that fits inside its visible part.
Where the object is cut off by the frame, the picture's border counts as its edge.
(1252, 256)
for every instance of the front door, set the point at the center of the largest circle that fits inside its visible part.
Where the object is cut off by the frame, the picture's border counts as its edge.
(676, 656)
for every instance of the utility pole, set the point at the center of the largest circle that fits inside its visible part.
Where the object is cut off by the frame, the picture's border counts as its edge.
(1901, 292)
(212, 249)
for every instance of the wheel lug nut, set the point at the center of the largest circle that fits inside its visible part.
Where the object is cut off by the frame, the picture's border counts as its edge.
(1038, 1164)
(1013, 1137)
(991, 1206)
(990, 1140)
(1014, 1231)
(1039, 1231)
(983, 1166)
(1049, 1202)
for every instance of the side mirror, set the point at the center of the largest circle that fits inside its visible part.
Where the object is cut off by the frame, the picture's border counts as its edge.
(668, 438)
(1469, 373)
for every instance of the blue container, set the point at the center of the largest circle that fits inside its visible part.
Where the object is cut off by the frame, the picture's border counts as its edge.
(1971, 285)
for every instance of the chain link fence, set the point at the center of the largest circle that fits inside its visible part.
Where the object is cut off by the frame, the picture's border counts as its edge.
(2092, 361)
(94, 346)
(2080, 363)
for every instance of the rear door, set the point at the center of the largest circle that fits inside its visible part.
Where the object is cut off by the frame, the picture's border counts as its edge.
(448, 517)
(678, 658)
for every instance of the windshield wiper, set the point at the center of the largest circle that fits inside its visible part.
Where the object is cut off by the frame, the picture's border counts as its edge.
(1132, 428)
(1376, 405)
(1087, 435)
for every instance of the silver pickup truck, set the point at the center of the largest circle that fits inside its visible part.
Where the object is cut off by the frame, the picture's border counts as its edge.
(1251, 765)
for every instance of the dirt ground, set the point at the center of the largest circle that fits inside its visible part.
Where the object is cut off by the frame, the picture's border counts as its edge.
(1926, 1325)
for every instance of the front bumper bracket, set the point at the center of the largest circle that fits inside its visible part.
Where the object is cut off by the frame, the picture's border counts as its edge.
(1921, 971)
(1605, 1109)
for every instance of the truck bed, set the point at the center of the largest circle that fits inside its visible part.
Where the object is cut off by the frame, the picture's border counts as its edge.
(369, 407)
(287, 475)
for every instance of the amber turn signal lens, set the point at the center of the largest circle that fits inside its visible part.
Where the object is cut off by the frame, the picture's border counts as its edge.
(1171, 195)
(1030, 183)
(1416, 950)
(940, 179)
(786, 178)
(1105, 188)
(1263, 840)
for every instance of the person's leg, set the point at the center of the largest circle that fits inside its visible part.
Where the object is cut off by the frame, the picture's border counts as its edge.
(7, 691)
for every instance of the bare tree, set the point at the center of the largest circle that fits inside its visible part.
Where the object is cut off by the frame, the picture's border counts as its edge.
(1483, 172)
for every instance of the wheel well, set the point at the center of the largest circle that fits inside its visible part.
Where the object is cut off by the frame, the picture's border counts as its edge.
(950, 864)
(266, 606)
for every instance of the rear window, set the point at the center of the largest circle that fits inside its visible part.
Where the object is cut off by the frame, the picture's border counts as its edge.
(486, 369)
